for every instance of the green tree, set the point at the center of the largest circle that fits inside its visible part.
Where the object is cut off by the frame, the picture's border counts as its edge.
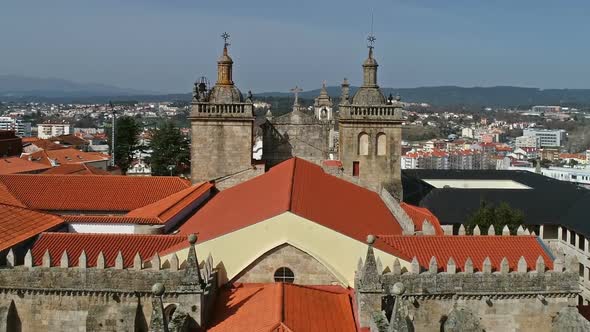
(126, 142)
(170, 151)
(498, 216)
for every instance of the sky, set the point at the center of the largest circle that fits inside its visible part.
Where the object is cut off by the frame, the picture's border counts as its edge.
(165, 45)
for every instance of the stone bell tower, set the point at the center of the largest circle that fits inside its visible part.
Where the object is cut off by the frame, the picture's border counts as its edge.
(370, 132)
(221, 126)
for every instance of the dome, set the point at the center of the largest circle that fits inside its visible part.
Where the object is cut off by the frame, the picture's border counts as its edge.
(225, 94)
(368, 96)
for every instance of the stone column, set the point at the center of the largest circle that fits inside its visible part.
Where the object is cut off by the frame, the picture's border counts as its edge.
(568, 236)
(586, 250)
(559, 233)
(577, 240)
(541, 232)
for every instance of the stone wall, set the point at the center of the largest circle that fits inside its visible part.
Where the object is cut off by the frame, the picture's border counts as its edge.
(103, 298)
(434, 301)
(295, 134)
(220, 147)
(307, 270)
(375, 171)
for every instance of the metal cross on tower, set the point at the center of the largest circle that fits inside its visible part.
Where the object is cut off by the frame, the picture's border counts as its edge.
(371, 39)
(225, 37)
(296, 91)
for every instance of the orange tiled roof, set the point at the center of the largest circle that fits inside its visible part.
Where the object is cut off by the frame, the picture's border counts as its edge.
(90, 192)
(302, 188)
(109, 244)
(38, 157)
(15, 165)
(7, 198)
(166, 208)
(44, 144)
(419, 215)
(277, 307)
(461, 247)
(109, 219)
(20, 224)
(76, 169)
(73, 156)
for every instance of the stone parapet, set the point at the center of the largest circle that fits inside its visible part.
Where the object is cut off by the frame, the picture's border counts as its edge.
(368, 112)
(209, 110)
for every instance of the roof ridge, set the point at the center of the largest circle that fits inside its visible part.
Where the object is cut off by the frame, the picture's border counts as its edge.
(281, 302)
(292, 184)
(107, 234)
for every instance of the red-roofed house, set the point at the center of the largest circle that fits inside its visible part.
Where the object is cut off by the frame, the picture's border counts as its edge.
(107, 204)
(16, 165)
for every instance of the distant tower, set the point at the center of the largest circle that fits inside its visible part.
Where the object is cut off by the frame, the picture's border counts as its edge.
(322, 105)
(221, 125)
(370, 132)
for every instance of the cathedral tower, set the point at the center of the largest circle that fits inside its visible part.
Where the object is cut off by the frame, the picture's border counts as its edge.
(221, 126)
(370, 132)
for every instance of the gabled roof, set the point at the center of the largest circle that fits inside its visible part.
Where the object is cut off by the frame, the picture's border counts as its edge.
(90, 192)
(283, 307)
(19, 224)
(166, 208)
(76, 169)
(109, 244)
(419, 215)
(302, 188)
(16, 165)
(461, 247)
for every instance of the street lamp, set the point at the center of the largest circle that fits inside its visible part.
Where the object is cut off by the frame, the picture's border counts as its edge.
(171, 168)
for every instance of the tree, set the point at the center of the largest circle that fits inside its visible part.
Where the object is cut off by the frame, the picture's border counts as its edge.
(573, 163)
(500, 216)
(170, 151)
(126, 141)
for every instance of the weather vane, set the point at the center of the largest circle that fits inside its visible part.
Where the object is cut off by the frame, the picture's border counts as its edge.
(225, 37)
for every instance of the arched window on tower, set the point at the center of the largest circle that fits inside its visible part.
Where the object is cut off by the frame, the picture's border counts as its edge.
(381, 144)
(363, 144)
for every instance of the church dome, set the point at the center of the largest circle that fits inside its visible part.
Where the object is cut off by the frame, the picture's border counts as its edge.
(368, 96)
(225, 94)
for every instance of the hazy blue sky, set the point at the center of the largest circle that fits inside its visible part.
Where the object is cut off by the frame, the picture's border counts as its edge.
(164, 45)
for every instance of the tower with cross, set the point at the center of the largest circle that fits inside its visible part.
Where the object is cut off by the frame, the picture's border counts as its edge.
(370, 132)
(221, 126)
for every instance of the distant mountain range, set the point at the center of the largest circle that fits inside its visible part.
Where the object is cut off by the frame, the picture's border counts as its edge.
(18, 88)
(13, 87)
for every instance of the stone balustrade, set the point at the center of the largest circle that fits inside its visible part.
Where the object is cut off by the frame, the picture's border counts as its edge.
(224, 110)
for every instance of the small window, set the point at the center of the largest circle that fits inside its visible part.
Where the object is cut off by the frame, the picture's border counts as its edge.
(284, 274)
(355, 168)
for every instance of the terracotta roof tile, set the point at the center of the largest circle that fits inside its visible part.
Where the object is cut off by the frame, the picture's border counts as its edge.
(419, 214)
(76, 169)
(283, 307)
(109, 244)
(90, 192)
(19, 224)
(304, 189)
(15, 165)
(109, 219)
(73, 156)
(461, 247)
(7, 198)
(168, 207)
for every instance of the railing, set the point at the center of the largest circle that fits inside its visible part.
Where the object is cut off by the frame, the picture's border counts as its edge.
(382, 112)
(235, 109)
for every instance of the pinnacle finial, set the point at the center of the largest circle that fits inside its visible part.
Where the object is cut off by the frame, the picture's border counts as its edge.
(192, 238)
